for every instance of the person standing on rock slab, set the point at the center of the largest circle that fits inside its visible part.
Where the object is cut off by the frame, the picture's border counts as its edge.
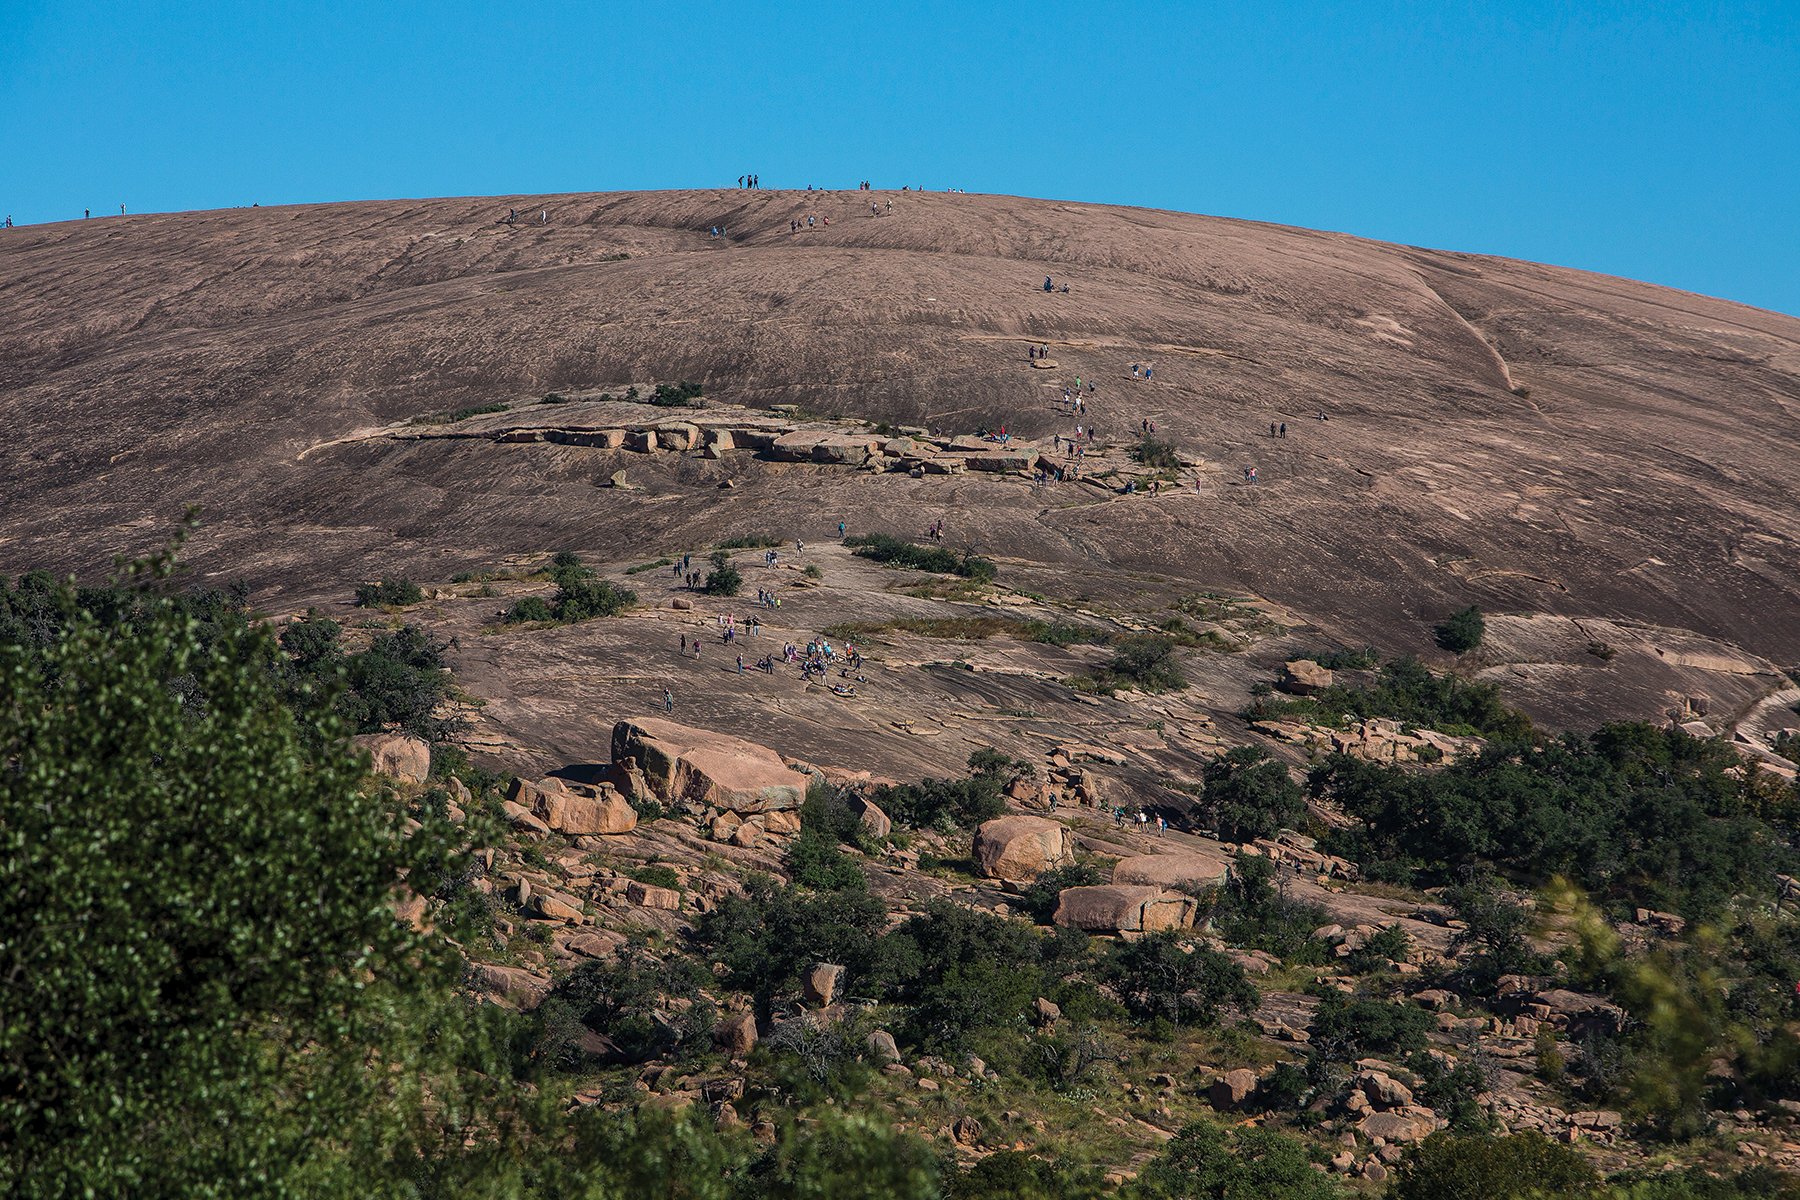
(840, 531)
(668, 701)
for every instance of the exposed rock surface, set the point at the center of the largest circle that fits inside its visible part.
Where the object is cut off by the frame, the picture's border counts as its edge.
(703, 767)
(397, 755)
(1116, 908)
(1019, 849)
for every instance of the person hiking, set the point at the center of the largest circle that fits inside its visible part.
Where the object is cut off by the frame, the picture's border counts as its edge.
(684, 645)
(840, 531)
(1048, 286)
(1284, 429)
(668, 701)
(1271, 429)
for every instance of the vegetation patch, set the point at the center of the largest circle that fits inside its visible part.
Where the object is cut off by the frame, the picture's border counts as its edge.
(461, 414)
(898, 552)
(1142, 662)
(1409, 692)
(580, 596)
(676, 395)
(388, 593)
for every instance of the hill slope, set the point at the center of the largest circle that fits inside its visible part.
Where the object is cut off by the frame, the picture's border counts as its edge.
(1532, 439)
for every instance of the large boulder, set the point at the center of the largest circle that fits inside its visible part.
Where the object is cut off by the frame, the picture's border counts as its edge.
(875, 823)
(513, 986)
(1383, 1090)
(1304, 677)
(1019, 849)
(1180, 870)
(575, 810)
(1232, 1089)
(821, 983)
(706, 768)
(1396, 1127)
(736, 1034)
(1119, 908)
(397, 755)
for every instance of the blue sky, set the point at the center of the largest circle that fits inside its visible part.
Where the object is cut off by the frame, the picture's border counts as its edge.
(1657, 141)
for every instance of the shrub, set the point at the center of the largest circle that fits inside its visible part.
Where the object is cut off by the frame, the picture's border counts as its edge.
(656, 875)
(815, 860)
(396, 592)
(1248, 795)
(750, 541)
(1407, 691)
(1016, 1175)
(724, 579)
(964, 971)
(950, 804)
(398, 681)
(898, 552)
(580, 595)
(1144, 662)
(1158, 454)
(1346, 1029)
(676, 395)
(1205, 1160)
(1461, 632)
(1448, 1166)
(1255, 914)
(645, 1007)
(1162, 980)
(530, 608)
(768, 935)
(1341, 658)
(1645, 815)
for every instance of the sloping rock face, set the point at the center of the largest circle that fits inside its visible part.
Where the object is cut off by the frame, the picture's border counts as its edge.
(707, 768)
(1172, 870)
(1019, 849)
(173, 355)
(1117, 908)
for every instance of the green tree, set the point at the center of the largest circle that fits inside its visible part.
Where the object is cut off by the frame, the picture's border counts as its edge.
(1450, 1167)
(207, 993)
(724, 579)
(1461, 632)
(1161, 979)
(1250, 796)
(1206, 1162)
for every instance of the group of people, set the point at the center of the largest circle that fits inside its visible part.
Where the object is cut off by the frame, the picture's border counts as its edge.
(1142, 371)
(795, 226)
(750, 182)
(1051, 287)
(1142, 820)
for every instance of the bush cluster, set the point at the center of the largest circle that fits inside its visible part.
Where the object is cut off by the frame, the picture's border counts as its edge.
(898, 552)
(396, 592)
(580, 596)
(1632, 812)
(1409, 692)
